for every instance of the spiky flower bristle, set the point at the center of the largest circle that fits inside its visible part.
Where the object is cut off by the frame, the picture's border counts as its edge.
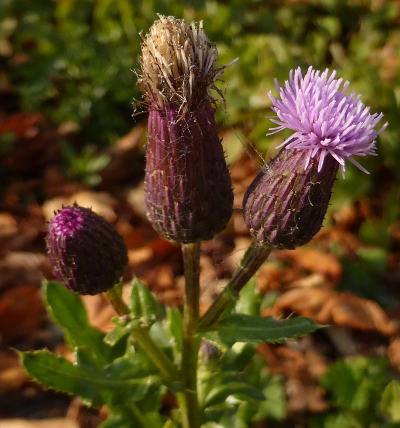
(177, 63)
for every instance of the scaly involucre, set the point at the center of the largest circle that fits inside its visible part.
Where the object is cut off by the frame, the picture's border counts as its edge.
(86, 252)
(326, 121)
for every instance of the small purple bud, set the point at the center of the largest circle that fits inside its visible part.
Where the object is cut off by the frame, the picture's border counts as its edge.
(188, 188)
(86, 252)
(208, 353)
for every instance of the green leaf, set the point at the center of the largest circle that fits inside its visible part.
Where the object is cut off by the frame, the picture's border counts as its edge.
(143, 303)
(390, 403)
(120, 331)
(95, 386)
(357, 383)
(249, 300)
(174, 323)
(221, 392)
(131, 416)
(68, 311)
(246, 328)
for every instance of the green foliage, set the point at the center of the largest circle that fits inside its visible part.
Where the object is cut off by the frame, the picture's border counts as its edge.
(106, 369)
(249, 300)
(144, 311)
(246, 328)
(360, 394)
(96, 386)
(84, 166)
(67, 310)
(390, 404)
(239, 390)
(143, 304)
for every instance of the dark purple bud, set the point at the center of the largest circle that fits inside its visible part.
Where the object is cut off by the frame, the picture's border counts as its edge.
(86, 252)
(285, 205)
(208, 353)
(188, 187)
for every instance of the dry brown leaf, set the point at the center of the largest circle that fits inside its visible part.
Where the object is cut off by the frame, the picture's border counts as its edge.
(314, 261)
(8, 226)
(100, 202)
(23, 267)
(123, 153)
(269, 277)
(327, 306)
(12, 375)
(342, 237)
(135, 198)
(40, 423)
(394, 353)
(21, 312)
(301, 384)
(24, 125)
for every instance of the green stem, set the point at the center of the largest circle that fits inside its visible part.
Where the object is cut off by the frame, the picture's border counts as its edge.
(253, 259)
(116, 301)
(138, 416)
(143, 339)
(190, 344)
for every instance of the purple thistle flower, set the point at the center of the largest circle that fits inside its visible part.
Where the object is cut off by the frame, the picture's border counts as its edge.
(326, 121)
(285, 205)
(86, 253)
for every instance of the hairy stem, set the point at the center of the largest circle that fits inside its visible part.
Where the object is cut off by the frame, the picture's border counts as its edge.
(190, 345)
(253, 259)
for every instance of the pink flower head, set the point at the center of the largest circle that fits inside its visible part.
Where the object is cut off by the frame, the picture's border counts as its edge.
(326, 121)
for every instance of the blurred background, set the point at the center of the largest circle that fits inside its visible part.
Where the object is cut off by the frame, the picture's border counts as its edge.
(69, 130)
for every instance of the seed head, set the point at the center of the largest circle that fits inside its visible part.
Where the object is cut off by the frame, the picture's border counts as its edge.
(178, 63)
(87, 254)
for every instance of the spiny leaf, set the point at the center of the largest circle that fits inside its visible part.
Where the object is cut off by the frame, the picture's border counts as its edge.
(246, 328)
(95, 386)
(221, 392)
(68, 311)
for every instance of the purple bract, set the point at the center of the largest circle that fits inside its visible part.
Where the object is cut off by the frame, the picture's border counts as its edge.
(326, 121)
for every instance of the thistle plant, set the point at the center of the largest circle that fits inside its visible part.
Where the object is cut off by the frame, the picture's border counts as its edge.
(209, 363)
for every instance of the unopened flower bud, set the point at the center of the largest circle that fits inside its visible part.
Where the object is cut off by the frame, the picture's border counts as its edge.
(285, 205)
(86, 252)
(208, 353)
(188, 189)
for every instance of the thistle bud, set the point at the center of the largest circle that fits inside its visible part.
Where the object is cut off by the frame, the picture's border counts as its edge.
(208, 353)
(188, 189)
(86, 252)
(285, 205)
